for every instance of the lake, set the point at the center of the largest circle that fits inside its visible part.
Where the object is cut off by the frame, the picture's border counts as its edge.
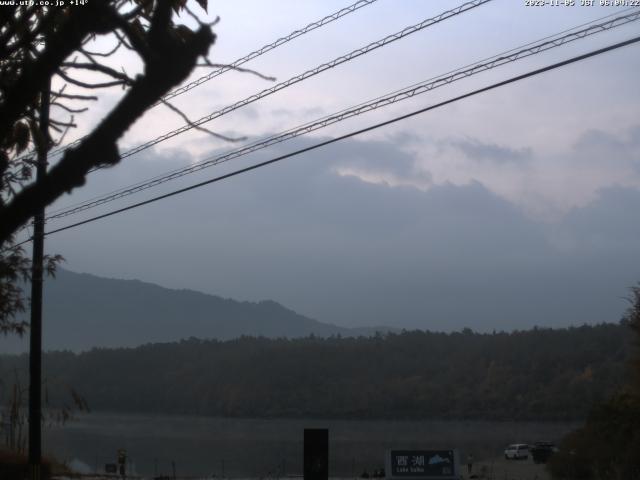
(203, 446)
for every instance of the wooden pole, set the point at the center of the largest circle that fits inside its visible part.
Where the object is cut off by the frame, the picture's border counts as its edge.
(35, 344)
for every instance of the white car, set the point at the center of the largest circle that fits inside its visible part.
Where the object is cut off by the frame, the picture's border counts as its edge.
(517, 451)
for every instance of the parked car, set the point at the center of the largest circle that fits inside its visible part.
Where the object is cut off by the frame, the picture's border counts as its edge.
(517, 451)
(541, 451)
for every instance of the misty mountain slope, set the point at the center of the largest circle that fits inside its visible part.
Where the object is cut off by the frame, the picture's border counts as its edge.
(82, 311)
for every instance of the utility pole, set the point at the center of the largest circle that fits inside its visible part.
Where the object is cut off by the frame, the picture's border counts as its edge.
(35, 351)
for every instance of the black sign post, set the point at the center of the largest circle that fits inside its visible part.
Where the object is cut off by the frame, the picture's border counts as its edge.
(122, 461)
(316, 454)
(422, 464)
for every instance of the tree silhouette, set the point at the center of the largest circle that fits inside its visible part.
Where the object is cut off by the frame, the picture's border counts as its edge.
(607, 446)
(39, 44)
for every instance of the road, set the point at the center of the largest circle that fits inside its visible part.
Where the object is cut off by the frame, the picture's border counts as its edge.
(499, 468)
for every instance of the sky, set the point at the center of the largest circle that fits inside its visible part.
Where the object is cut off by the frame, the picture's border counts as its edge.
(510, 209)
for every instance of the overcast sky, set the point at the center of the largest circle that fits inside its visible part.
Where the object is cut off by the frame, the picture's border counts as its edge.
(507, 210)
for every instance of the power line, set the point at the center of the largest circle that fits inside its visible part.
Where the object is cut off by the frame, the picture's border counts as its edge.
(354, 133)
(250, 56)
(595, 28)
(513, 55)
(312, 26)
(310, 73)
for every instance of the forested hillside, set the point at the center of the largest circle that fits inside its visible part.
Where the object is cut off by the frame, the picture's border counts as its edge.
(538, 374)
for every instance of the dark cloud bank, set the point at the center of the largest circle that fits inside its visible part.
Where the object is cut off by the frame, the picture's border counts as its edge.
(353, 253)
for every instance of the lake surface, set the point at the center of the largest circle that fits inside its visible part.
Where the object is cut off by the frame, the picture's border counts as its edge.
(203, 446)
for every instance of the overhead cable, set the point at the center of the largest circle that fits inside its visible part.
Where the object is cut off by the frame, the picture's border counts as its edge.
(311, 73)
(394, 97)
(250, 56)
(354, 133)
(282, 40)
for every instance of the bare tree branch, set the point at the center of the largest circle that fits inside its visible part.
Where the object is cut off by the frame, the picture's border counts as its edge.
(79, 83)
(163, 49)
(103, 54)
(94, 16)
(123, 40)
(136, 39)
(207, 63)
(76, 97)
(62, 124)
(198, 127)
(96, 67)
(69, 109)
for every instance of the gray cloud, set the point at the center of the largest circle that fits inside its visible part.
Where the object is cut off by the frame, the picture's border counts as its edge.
(251, 112)
(384, 158)
(490, 152)
(282, 112)
(288, 112)
(607, 147)
(355, 253)
(405, 137)
(608, 223)
(314, 111)
(597, 139)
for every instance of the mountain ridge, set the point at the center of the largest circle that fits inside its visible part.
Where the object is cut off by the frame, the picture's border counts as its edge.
(83, 311)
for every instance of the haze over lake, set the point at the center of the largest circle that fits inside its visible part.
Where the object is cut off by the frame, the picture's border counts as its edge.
(259, 448)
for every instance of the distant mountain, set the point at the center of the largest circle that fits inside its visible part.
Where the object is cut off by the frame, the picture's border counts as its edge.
(82, 311)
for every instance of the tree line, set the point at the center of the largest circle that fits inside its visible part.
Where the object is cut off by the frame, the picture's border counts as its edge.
(541, 374)
(606, 446)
